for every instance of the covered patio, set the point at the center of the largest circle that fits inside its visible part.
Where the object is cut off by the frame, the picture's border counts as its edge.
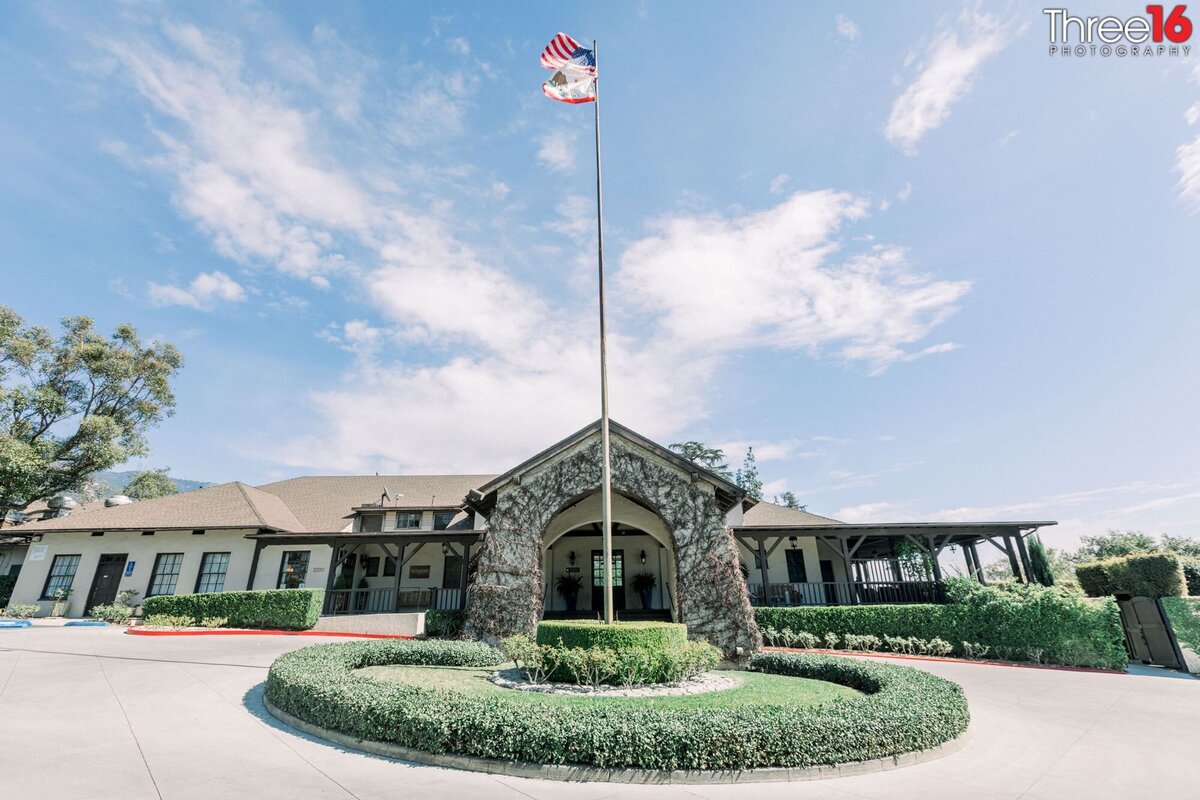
(872, 563)
(437, 562)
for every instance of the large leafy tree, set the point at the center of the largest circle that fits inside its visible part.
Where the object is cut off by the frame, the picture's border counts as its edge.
(150, 484)
(75, 404)
(747, 476)
(711, 458)
(1114, 543)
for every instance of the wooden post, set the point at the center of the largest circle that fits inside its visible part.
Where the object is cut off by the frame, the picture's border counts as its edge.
(762, 566)
(334, 551)
(849, 567)
(978, 565)
(462, 578)
(1012, 559)
(933, 556)
(1025, 565)
(258, 546)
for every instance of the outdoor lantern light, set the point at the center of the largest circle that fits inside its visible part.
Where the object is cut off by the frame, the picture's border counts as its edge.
(571, 558)
(445, 549)
(792, 539)
(643, 558)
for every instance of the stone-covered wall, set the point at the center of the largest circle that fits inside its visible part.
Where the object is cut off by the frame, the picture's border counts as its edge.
(710, 593)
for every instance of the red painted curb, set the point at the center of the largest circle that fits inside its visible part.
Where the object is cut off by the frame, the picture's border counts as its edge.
(901, 657)
(141, 632)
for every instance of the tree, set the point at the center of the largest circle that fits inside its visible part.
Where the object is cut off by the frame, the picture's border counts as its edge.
(1114, 543)
(790, 500)
(149, 484)
(747, 476)
(1040, 570)
(711, 458)
(76, 404)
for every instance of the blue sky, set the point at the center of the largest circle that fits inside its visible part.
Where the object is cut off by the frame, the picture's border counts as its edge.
(928, 270)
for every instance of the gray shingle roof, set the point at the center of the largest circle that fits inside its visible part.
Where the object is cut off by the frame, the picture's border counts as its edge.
(323, 503)
(227, 505)
(769, 515)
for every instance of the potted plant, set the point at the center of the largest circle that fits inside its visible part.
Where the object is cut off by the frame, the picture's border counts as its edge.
(643, 584)
(62, 602)
(568, 587)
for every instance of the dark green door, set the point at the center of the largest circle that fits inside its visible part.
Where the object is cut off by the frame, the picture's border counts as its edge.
(104, 585)
(618, 580)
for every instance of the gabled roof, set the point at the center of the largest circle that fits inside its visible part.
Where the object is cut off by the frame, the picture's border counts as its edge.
(227, 505)
(325, 503)
(770, 515)
(728, 493)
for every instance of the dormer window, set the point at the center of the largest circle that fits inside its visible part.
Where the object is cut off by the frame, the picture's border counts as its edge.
(442, 519)
(408, 519)
(370, 523)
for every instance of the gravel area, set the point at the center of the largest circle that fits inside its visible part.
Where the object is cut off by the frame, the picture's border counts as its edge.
(708, 682)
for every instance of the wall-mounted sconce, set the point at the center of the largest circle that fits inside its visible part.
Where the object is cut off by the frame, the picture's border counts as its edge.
(643, 557)
(792, 541)
(445, 549)
(571, 558)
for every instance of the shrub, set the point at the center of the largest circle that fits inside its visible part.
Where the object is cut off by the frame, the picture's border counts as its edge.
(1191, 575)
(627, 666)
(590, 633)
(444, 624)
(22, 610)
(537, 661)
(807, 640)
(116, 613)
(285, 609)
(902, 710)
(1139, 574)
(1067, 627)
(7, 582)
(214, 622)
(1184, 615)
(168, 621)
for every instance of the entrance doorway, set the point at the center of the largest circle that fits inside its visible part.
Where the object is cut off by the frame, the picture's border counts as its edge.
(618, 580)
(1148, 636)
(104, 585)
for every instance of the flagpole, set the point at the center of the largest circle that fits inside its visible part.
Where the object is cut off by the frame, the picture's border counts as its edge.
(606, 486)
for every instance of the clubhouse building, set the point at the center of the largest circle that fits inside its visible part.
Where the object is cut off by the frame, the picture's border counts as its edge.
(507, 548)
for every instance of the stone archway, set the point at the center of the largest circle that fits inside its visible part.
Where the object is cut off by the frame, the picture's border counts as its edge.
(506, 595)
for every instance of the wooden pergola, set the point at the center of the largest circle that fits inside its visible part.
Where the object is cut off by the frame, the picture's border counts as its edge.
(871, 541)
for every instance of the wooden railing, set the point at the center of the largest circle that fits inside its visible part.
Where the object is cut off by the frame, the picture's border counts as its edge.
(389, 600)
(845, 593)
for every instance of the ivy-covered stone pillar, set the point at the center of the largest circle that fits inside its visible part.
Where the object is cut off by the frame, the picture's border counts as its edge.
(710, 594)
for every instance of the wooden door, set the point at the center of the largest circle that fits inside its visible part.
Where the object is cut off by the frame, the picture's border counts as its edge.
(618, 580)
(104, 584)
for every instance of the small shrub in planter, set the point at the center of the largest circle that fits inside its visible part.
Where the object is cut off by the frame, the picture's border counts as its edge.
(173, 621)
(22, 610)
(214, 622)
(115, 613)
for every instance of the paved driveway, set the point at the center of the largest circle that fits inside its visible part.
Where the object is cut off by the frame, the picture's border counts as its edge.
(93, 713)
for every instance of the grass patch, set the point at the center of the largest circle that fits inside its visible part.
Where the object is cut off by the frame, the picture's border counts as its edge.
(756, 689)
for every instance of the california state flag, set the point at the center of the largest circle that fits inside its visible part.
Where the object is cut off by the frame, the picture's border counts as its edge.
(574, 78)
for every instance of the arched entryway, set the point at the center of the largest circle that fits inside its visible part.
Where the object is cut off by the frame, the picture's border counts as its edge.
(573, 547)
(508, 593)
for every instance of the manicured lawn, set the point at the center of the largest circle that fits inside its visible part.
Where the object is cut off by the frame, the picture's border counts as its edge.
(756, 689)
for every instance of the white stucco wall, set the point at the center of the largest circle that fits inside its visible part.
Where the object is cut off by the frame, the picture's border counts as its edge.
(142, 550)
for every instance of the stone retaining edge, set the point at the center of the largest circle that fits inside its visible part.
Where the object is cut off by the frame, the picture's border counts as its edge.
(584, 773)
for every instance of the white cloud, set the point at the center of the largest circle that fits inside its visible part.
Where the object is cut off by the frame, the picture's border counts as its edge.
(904, 193)
(846, 27)
(1008, 137)
(946, 74)
(793, 288)
(203, 294)
(1187, 163)
(779, 183)
(500, 190)
(459, 46)
(558, 150)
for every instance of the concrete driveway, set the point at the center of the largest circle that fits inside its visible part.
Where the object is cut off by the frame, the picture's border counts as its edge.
(93, 713)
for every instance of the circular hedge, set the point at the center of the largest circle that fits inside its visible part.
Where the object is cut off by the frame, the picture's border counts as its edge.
(615, 636)
(903, 710)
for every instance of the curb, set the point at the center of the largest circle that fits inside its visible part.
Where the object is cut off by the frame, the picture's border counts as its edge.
(902, 657)
(141, 632)
(584, 773)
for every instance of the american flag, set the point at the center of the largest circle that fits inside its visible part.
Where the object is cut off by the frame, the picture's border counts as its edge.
(566, 54)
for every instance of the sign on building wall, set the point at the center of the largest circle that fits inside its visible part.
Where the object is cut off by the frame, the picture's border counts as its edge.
(37, 552)
(418, 571)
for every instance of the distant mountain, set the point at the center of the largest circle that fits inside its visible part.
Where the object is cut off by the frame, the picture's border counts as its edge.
(106, 484)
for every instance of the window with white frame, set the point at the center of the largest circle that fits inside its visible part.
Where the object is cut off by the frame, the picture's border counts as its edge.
(408, 519)
(165, 575)
(211, 577)
(62, 575)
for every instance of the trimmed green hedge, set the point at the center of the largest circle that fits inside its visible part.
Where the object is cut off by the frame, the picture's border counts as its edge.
(1014, 621)
(1184, 615)
(7, 582)
(444, 624)
(1139, 574)
(592, 633)
(903, 710)
(282, 609)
